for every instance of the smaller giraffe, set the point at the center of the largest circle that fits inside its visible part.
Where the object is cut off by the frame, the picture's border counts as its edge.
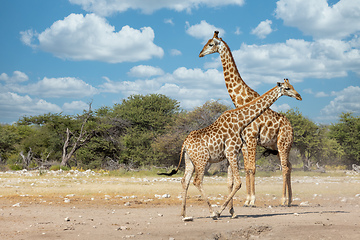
(221, 140)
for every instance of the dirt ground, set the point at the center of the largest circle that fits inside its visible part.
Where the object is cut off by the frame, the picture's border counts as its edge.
(98, 207)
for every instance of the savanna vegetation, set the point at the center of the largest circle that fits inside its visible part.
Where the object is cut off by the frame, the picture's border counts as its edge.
(146, 131)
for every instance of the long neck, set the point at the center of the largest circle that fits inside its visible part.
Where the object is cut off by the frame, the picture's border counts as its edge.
(238, 90)
(250, 111)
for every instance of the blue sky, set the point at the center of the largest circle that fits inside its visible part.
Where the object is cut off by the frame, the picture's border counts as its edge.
(57, 56)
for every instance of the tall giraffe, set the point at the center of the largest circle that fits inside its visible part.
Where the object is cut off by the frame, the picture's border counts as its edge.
(221, 140)
(271, 130)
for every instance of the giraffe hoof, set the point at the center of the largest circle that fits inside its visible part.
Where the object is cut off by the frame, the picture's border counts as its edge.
(188, 219)
(232, 212)
(215, 215)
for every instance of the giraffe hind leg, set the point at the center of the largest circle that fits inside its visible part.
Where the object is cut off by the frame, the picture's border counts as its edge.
(189, 170)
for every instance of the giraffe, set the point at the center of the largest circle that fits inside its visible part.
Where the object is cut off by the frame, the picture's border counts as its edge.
(221, 140)
(271, 130)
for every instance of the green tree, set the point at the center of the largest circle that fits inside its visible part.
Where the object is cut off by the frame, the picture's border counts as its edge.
(307, 137)
(149, 117)
(168, 145)
(8, 141)
(347, 133)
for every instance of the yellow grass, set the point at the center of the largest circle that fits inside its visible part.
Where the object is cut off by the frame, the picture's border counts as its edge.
(103, 187)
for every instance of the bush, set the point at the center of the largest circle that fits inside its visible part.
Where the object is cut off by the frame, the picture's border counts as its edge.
(58, 167)
(15, 167)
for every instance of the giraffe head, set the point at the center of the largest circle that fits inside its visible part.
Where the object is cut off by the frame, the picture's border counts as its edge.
(288, 90)
(212, 45)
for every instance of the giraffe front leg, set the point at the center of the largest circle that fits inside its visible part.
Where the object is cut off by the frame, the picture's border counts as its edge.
(286, 171)
(251, 149)
(230, 183)
(237, 181)
(199, 175)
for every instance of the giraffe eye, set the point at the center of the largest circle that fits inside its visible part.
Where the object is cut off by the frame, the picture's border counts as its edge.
(287, 88)
(211, 45)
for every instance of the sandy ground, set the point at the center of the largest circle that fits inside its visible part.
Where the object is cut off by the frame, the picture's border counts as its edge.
(78, 207)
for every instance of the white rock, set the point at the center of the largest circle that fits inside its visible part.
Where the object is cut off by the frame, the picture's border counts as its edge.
(306, 203)
(16, 205)
(66, 200)
(123, 228)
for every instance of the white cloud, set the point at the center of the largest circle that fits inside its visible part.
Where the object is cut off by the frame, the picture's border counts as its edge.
(169, 21)
(295, 59)
(346, 100)
(108, 7)
(58, 87)
(321, 94)
(15, 78)
(28, 36)
(90, 37)
(280, 108)
(203, 30)
(263, 29)
(175, 52)
(145, 71)
(318, 19)
(13, 105)
(75, 106)
(192, 87)
(238, 31)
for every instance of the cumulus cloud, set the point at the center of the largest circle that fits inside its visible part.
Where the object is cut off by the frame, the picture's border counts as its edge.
(91, 37)
(15, 78)
(108, 7)
(263, 29)
(280, 108)
(346, 100)
(145, 71)
(203, 30)
(75, 106)
(192, 87)
(175, 52)
(58, 87)
(13, 105)
(319, 19)
(295, 59)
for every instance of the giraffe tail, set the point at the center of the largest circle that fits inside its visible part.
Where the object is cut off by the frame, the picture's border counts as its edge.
(174, 171)
(269, 151)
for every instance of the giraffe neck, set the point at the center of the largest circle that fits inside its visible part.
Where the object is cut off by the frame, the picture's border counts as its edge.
(250, 111)
(238, 90)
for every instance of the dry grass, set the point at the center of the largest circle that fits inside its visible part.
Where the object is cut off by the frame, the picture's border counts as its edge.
(95, 187)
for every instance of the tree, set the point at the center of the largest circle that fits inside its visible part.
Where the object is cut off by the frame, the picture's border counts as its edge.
(306, 137)
(168, 145)
(149, 117)
(347, 134)
(8, 141)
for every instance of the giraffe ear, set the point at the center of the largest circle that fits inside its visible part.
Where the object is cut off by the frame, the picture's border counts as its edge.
(279, 84)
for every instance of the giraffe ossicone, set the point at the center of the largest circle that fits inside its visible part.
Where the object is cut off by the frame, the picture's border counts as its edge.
(221, 140)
